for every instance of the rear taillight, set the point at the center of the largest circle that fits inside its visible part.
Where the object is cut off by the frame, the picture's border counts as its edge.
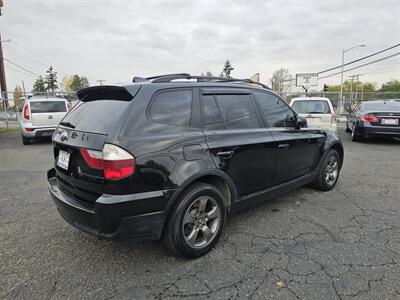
(25, 112)
(29, 129)
(93, 158)
(369, 118)
(115, 162)
(333, 117)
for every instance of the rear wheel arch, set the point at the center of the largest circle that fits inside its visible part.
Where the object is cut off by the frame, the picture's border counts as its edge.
(339, 149)
(216, 178)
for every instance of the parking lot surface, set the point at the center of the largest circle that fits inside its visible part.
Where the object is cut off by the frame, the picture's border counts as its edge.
(342, 244)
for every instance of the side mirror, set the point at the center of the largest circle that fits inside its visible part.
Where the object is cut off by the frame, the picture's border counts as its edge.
(301, 122)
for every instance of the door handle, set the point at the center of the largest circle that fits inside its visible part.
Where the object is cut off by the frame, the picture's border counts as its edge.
(283, 146)
(225, 154)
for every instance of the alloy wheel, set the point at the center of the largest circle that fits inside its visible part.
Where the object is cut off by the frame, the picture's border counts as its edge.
(201, 222)
(332, 170)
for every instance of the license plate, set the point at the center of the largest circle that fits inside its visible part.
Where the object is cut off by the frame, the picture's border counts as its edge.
(63, 159)
(47, 133)
(390, 121)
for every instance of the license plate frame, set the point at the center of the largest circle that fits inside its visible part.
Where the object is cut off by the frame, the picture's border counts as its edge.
(386, 121)
(63, 159)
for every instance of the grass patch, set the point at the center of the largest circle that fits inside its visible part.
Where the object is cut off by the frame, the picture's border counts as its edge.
(11, 129)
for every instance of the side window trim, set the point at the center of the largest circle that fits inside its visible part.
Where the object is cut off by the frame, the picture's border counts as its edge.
(224, 91)
(161, 91)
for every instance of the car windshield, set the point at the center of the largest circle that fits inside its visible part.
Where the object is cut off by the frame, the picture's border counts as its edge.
(384, 106)
(47, 106)
(311, 107)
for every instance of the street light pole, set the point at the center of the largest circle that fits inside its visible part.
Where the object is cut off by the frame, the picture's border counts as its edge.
(341, 80)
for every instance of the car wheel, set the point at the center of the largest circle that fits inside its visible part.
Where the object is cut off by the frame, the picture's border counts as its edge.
(25, 140)
(329, 172)
(355, 136)
(195, 223)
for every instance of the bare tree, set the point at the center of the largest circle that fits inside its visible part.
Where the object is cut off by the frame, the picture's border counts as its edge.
(279, 81)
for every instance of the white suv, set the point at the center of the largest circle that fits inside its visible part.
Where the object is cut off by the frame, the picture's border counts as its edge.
(40, 117)
(317, 110)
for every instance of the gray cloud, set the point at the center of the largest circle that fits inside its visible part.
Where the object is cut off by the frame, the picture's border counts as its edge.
(119, 39)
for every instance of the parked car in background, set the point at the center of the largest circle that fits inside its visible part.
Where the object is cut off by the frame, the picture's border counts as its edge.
(170, 159)
(380, 118)
(318, 112)
(40, 117)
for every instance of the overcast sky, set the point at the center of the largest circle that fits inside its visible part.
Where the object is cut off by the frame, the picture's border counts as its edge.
(114, 40)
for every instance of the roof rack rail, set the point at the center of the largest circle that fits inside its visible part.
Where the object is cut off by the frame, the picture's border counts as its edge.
(170, 77)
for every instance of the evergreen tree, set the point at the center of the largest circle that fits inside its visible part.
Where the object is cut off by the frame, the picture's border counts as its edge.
(78, 83)
(51, 80)
(227, 69)
(84, 82)
(39, 85)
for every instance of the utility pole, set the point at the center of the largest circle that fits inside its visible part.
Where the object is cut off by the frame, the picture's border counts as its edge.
(355, 96)
(341, 80)
(3, 84)
(351, 90)
(100, 81)
(362, 93)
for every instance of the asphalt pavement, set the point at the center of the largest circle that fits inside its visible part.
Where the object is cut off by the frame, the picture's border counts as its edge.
(342, 244)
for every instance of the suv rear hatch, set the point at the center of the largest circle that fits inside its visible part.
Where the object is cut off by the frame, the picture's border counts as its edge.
(81, 137)
(47, 112)
(317, 112)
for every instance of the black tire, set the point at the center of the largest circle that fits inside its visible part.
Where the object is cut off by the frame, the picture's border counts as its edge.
(176, 231)
(355, 136)
(25, 140)
(322, 183)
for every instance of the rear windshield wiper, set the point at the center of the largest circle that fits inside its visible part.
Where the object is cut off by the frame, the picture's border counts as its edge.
(67, 124)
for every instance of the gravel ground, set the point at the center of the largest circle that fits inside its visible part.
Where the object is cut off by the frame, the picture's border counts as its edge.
(342, 244)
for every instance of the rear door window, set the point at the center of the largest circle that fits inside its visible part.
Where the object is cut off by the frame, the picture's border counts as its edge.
(47, 106)
(311, 107)
(229, 111)
(172, 107)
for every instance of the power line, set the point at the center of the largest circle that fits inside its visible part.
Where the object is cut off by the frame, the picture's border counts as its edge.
(363, 65)
(42, 58)
(22, 68)
(19, 71)
(36, 61)
(359, 59)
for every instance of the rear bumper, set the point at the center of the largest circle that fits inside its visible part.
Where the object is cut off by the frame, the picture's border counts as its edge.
(38, 132)
(331, 127)
(113, 216)
(383, 131)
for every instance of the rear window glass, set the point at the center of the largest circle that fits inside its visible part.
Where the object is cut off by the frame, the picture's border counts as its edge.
(172, 107)
(385, 106)
(311, 107)
(47, 106)
(96, 116)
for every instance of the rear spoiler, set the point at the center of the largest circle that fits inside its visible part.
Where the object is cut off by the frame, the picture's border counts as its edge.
(107, 92)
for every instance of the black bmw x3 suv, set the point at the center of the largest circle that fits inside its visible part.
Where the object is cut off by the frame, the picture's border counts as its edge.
(170, 158)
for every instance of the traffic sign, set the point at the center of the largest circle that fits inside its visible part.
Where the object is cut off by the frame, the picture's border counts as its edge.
(307, 79)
